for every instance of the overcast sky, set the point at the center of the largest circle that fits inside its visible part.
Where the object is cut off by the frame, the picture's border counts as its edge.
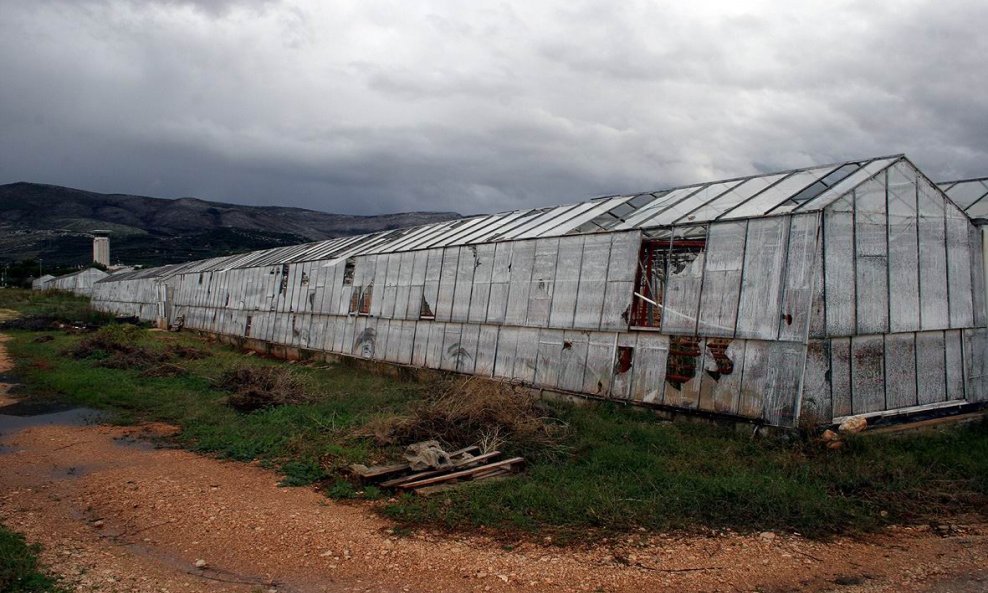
(373, 106)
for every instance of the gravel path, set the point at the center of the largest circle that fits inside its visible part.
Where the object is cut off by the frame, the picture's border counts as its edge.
(116, 514)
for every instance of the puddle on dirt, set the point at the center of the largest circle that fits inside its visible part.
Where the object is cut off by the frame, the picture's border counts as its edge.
(27, 414)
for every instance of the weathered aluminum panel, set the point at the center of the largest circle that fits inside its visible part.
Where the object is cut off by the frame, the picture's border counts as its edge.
(934, 313)
(543, 282)
(592, 281)
(469, 341)
(817, 405)
(931, 368)
(600, 363)
(871, 253)
(867, 374)
(900, 370)
(682, 294)
(547, 367)
(453, 354)
(573, 360)
(799, 282)
(463, 289)
(420, 346)
(840, 376)
(507, 344)
(526, 355)
(522, 262)
(976, 364)
(434, 353)
(904, 309)
(483, 269)
(839, 283)
(684, 367)
(959, 268)
(720, 379)
(722, 279)
(761, 287)
(786, 361)
(567, 271)
(486, 350)
(649, 369)
(500, 283)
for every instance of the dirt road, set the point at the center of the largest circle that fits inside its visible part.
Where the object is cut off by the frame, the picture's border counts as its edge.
(116, 514)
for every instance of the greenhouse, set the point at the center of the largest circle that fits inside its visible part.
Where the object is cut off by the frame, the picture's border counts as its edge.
(800, 296)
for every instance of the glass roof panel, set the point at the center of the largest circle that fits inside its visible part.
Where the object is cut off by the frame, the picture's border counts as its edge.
(657, 205)
(544, 228)
(684, 209)
(847, 184)
(823, 184)
(966, 193)
(775, 195)
(739, 194)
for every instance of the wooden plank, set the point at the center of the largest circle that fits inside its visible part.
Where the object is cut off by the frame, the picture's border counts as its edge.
(904, 309)
(462, 463)
(573, 360)
(759, 309)
(649, 370)
(600, 363)
(931, 371)
(682, 293)
(867, 374)
(500, 283)
(592, 281)
(566, 283)
(839, 281)
(462, 473)
(722, 279)
(959, 269)
(522, 262)
(480, 297)
(543, 282)
(720, 379)
(954, 364)
(486, 350)
(900, 368)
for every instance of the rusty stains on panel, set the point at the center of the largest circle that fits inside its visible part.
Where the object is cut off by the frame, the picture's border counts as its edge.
(684, 357)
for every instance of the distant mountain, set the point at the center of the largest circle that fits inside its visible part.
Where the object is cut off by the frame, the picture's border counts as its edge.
(53, 222)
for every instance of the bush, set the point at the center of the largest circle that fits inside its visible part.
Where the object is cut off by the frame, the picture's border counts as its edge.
(475, 411)
(256, 388)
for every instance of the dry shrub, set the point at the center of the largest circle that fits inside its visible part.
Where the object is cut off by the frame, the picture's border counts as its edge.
(186, 352)
(475, 411)
(165, 369)
(255, 388)
(116, 347)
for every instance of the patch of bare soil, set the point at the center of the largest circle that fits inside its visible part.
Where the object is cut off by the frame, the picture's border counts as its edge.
(116, 514)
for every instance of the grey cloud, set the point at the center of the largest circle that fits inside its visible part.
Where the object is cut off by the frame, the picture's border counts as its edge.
(381, 106)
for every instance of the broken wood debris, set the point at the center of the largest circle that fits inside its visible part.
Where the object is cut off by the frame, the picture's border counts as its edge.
(463, 465)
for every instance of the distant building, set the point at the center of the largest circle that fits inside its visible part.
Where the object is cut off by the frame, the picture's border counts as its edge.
(101, 248)
(79, 283)
(42, 282)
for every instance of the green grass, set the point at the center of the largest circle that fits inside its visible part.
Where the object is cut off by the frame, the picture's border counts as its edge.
(621, 469)
(20, 571)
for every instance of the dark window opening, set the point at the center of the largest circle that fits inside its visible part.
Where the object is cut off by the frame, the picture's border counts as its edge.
(284, 279)
(355, 299)
(305, 278)
(681, 364)
(250, 320)
(348, 269)
(425, 311)
(365, 300)
(625, 358)
(658, 260)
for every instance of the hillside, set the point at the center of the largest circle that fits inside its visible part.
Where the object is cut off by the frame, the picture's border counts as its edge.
(52, 222)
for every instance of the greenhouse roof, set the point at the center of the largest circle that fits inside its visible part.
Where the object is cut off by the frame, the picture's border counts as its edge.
(799, 190)
(970, 194)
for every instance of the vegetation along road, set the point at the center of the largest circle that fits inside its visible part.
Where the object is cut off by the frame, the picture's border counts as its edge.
(147, 461)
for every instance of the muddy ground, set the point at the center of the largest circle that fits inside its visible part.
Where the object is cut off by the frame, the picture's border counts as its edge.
(115, 513)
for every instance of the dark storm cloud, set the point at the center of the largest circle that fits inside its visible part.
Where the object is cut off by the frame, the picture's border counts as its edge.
(387, 106)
